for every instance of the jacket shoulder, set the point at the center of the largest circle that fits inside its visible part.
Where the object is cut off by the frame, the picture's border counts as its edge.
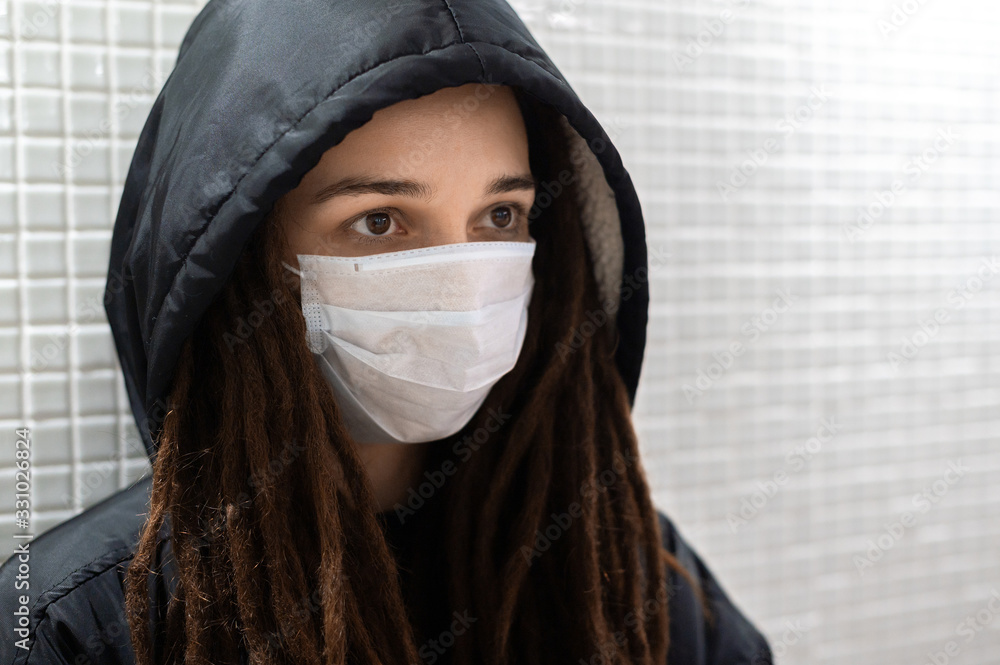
(62, 594)
(726, 636)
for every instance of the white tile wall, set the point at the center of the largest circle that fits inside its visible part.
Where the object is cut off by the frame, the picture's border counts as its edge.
(720, 259)
(74, 94)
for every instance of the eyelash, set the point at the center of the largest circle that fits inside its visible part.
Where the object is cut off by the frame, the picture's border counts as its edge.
(520, 215)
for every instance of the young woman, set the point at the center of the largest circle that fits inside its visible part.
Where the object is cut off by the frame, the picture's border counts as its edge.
(378, 285)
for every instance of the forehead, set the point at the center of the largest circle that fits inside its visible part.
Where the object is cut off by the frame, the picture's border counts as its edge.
(472, 121)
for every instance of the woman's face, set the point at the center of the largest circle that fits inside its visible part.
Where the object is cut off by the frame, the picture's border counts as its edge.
(450, 167)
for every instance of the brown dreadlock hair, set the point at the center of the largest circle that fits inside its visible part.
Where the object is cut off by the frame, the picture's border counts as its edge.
(269, 506)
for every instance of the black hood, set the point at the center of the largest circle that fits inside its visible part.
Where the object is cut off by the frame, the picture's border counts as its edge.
(260, 90)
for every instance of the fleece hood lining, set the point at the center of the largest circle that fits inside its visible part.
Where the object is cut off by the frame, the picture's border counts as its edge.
(598, 216)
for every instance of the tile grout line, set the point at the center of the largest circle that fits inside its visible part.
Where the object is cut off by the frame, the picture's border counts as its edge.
(72, 351)
(21, 208)
(112, 85)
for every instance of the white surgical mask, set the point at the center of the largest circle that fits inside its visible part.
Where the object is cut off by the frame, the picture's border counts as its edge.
(411, 342)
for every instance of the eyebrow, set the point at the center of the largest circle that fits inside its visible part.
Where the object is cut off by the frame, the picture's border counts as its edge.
(355, 186)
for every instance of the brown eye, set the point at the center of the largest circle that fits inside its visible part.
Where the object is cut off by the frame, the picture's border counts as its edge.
(502, 217)
(377, 222)
(375, 226)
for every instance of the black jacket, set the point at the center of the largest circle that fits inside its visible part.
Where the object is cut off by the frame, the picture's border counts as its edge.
(259, 91)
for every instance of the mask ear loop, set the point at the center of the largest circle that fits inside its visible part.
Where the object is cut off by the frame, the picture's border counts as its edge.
(297, 272)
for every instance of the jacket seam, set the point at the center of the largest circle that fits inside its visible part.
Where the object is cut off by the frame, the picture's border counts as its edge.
(482, 65)
(451, 11)
(45, 613)
(204, 227)
(461, 37)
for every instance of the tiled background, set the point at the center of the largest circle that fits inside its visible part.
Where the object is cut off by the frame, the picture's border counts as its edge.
(823, 106)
